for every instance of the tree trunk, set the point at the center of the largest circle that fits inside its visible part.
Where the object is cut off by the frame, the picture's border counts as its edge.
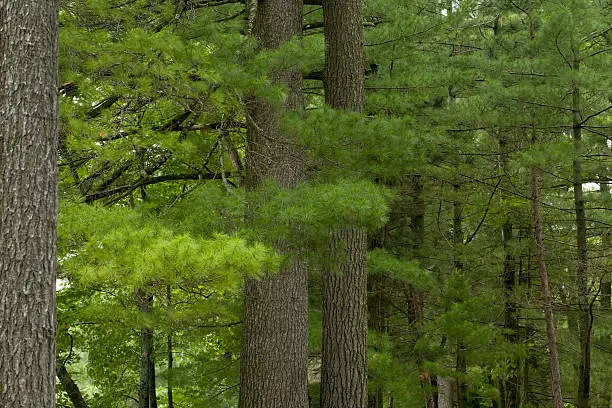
(28, 202)
(546, 295)
(510, 386)
(345, 352)
(377, 322)
(73, 391)
(461, 366)
(585, 321)
(274, 357)
(152, 384)
(146, 395)
(170, 350)
(445, 392)
(605, 339)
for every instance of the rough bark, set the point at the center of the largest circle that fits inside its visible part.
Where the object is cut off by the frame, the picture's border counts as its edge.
(28, 202)
(581, 275)
(274, 357)
(344, 351)
(445, 392)
(71, 388)
(344, 74)
(546, 295)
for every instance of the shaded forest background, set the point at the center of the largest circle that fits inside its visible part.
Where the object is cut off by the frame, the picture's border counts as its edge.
(472, 112)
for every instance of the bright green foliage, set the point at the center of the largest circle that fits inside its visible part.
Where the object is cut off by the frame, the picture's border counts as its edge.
(106, 254)
(459, 107)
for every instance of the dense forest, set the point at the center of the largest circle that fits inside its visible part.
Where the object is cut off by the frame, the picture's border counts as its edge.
(306, 203)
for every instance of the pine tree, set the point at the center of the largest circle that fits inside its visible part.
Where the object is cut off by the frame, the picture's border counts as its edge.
(344, 350)
(274, 356)
(28, 202)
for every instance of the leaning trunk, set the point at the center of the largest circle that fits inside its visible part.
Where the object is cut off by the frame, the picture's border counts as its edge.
(71, 388)
(546, 295)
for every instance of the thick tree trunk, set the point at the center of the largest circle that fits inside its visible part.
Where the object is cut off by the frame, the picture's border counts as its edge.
(546, 295)
(71, 388)
(274, 357)
(445, 392)
(345, 353)
(585, 321)
(28, 202)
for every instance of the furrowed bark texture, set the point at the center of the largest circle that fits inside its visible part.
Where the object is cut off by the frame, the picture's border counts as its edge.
(344, 72)
(546, 295)
(344, 353)
(28, 202)
(274, 357)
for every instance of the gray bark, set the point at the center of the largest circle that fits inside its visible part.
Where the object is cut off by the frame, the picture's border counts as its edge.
(445, 392)
(345, 348)
(345, 353)
(274, 356)
(28, 202)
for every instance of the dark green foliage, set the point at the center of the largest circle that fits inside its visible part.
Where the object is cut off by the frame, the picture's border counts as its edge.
(153, 129)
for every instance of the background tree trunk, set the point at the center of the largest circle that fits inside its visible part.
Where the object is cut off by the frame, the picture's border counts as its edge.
(28, 202)
(445, 392)
(585, 321)
(546, 295)
(274, 357)
(511, 386)
(345, 332)
(71, 388)
(146, 395)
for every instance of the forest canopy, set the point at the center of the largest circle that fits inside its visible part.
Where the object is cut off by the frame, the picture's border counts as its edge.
(226, 168)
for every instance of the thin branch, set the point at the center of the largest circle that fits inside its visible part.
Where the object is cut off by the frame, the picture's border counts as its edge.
(594, 114)
(484, 216)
